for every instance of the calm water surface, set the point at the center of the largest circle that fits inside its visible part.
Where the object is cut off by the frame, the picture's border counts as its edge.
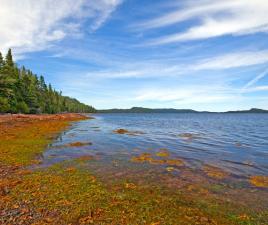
(237, 143)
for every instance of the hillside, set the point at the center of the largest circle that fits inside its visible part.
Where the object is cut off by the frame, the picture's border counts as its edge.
(253, 110)
(171, 110)
(147, 110)
(22, 91)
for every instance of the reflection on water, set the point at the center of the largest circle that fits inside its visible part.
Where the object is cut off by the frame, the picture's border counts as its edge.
(237, 143)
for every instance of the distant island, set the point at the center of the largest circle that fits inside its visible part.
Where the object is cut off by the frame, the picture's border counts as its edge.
(146, 110)
(253, 110)
(171, 110)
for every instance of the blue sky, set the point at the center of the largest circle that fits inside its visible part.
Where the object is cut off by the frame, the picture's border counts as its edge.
(203, 55)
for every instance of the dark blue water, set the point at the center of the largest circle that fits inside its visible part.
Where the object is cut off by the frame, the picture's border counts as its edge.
(237, 143)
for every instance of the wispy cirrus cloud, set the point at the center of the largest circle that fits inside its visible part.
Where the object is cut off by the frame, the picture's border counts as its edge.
(256, 89)
(214, 18)
(161, 68)
(29, 25)
(200, 94)
(233, 60)
(254, 81)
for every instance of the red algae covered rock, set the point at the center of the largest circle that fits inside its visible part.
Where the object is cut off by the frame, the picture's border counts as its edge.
(124, 131)
(141, 158)
(163, 153)
(157, 161)
(42, 117)
(79, 144)
(24, 137)
(148, 157)
(121, 131)
(215, 172)
(175, 162)
(259, 181)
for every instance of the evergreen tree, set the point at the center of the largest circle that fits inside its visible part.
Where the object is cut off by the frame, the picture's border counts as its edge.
(1, 60)
(6, 85)
(9, 59)
(6, 92)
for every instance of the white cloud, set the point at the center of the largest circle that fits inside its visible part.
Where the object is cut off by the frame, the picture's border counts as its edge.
(255, 89)
(30, 25)
(233, 60)
(159, 68)
(103, 10)
(255, 80)
(137, 70)
(216, 18)
(184, 95)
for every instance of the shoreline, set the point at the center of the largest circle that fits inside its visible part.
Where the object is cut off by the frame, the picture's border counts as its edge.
(40, 117)
(73, 193)
(28, 135)
(23, 138)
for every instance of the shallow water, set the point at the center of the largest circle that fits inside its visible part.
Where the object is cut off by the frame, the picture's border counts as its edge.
(237, 143)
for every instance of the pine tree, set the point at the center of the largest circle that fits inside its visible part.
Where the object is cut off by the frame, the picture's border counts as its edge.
(1, 60)
(9, 59)
(6, 85)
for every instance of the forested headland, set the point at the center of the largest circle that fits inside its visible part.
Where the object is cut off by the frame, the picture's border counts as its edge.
(22, 91)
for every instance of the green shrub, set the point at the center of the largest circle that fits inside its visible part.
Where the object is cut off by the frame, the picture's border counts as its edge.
(22, 107)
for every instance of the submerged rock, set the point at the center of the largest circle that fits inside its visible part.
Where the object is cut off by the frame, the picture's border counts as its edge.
(215, 172)
(85, 158)
(73, 144)
(163, 153)
(121, 131)
(124, 131)
(175, 162)
(238, 144)
(157, 161)
(142, 158)
(79, 144)
(188, 136)
(148, 157)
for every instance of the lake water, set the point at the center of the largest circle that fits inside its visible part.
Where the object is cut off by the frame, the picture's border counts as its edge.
(237, 143)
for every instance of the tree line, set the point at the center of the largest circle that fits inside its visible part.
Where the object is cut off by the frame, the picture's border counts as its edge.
(22, 91)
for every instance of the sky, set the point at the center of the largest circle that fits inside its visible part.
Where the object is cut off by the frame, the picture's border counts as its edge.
(185, 54)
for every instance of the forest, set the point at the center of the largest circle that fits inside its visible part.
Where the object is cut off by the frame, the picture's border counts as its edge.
(22, 91)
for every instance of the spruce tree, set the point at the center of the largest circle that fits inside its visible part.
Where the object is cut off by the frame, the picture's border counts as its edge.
(6, 86)
(9, 59)
(1, 60)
